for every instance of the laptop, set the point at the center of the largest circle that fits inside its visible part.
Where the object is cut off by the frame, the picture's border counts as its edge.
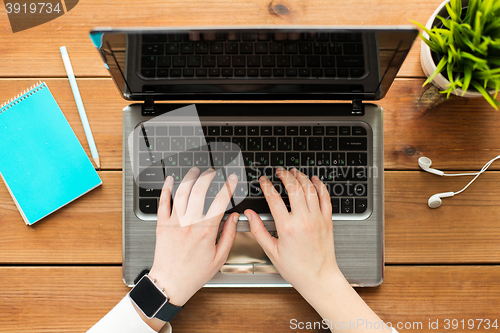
(330, 129)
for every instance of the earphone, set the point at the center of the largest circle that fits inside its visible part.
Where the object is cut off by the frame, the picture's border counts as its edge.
(435, 200)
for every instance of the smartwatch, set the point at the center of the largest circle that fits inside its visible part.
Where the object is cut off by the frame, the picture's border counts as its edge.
(152, 300)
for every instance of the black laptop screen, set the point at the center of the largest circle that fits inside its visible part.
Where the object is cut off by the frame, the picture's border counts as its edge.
(254, 64)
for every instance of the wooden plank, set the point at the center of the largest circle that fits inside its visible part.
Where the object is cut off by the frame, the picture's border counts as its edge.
(35, 52)
(457, 134)
(89, 230)
(72, 299)
(86, 231)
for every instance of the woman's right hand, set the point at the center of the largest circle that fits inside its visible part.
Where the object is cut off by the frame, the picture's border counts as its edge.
(304, 252)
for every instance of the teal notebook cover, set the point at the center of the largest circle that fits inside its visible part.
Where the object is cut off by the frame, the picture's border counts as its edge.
(42, 163)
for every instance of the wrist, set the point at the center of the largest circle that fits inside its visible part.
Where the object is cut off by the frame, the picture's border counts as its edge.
(155, 323)
(324, 286)
(175, 294)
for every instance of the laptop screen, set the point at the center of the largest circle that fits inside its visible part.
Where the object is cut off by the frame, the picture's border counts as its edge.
(254, 64)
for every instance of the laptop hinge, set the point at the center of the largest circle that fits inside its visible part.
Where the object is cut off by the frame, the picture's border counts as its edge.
(358, 108)
(148, 108)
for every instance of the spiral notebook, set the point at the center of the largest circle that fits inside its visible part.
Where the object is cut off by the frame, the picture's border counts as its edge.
(42, 163)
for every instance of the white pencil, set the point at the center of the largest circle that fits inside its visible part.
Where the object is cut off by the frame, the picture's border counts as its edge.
(79, 105)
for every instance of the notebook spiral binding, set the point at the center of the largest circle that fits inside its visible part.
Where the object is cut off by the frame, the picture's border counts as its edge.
(22, 96)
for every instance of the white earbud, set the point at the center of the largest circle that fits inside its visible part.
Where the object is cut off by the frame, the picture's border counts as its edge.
(425, 163)
(435, 200)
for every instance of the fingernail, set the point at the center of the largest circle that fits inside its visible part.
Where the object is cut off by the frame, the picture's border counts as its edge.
(232, 177)
(236, 218)
(315, 177)
(170, 180)
(193, 169)
(248, 216)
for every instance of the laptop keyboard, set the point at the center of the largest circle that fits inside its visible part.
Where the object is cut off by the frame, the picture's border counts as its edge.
(252, 55)
(335, 152)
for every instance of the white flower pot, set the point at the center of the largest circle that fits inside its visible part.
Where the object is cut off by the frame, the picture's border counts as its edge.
(428, 65)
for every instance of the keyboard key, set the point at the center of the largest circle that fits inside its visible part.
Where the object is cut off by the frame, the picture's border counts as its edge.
(358, 130)
(283, 61)
(214, 72)
(253, 61)
(149, 159)
(360, 190)
(188, 72)
(278, 72)
(172, 48)
(248, 158)
(318, 130)
(175, 131)
(216, 48)
(320, 48)
(307, 159)
(279, 130)
(148, 72)
(178, 144)
(186, 159)
(276, 48)
(285, 143)
(335, 48)
(223, 61)
(277, 159)
(292, 130)
(254, 144)
(330, 144)
(193, 143)
(213, 130)
(350, 61)
(174, 172)
(305, 130)
(313, 61)
(252, 174)
(231, 159)
(262, 159)
(351, 174)
(253, 130)
(145, 144)
(194, 61)
(231, 48)
(317, 72)
(227, 130)
(299, 143)
(261, 48)
(357, 159)
(345, 130)
(201, 72)
(330, 72)
(323, 159)
(150, 190)
(291, 48)
(315, 144)
(253, 72)
(148, 206)
(170, 160)
(162, 144)
(342, 72)
(354, 48)
(151, 174)
(148, 62)
(353, 143)
(201, 48)
(328, 61)
(208, 61)
(335, 205)
(152, 49)
(356, 72)
(179, 61)
(338, 159)
(187, 48)
(331, 130)
(238, 61)
(361, 205)
(241, 142)
(240, 130)
(293, 159)
(292, 72)
(304, 72)
(265, 72)
(227, 72)
(269, 143)
(239, 72)
(175, 72)
(162, 73)
(298, 61)
(218, 159)
(305, 48)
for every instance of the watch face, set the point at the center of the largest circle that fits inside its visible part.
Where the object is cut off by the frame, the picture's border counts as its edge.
(147, 297)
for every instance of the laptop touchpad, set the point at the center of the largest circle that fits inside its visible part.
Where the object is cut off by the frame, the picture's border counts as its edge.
(247, 257)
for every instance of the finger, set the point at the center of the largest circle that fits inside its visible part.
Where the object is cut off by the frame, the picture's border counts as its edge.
(226, 238)
(293, 188)
(198, 193)
(263, 237)
(219, 205)
(164, 208)
(308, 188)
(324, 197)
(182, 193)
(274, 200)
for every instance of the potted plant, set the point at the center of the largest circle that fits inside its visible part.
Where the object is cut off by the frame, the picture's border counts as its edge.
(460, 51)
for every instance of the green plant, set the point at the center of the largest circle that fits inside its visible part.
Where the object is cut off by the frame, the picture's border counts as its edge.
(469, 47)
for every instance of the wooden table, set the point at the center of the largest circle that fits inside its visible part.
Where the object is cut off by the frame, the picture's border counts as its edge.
(64, 273)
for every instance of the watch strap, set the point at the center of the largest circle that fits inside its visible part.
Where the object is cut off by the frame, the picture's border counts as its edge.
(168, 312)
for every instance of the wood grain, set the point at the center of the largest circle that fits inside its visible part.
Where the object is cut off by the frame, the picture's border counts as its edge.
(86, 231)
(32, 301)
(457, 134)
(464, 230)
(37, 50)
